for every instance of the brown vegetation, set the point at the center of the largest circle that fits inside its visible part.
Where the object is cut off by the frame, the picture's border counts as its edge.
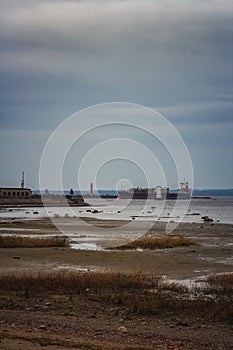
(15, 241)
(157, 243)
(92, 282)
(221, 281)
(141, 294)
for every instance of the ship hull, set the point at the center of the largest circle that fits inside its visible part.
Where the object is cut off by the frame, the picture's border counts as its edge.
(145, 195)
(129, 195)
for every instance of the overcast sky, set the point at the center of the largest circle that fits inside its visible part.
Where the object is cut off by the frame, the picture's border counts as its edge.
(58, 57)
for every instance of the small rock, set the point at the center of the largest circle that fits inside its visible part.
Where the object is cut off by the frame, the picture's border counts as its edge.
(122, 329)
(42, 326)
(182, 323)
(207, 219)
(43, 342)
(126, 317)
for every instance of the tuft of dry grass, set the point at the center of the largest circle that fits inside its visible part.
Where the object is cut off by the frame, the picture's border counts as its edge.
(221, 281)
(15, 241)
(157, 243)
(63, 281)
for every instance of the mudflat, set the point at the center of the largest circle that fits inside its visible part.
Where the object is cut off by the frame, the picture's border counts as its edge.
(62, 321)
(212, 251)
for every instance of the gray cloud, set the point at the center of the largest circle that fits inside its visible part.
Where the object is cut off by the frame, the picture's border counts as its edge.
(60, 56)
(84, 28)
(171, 49)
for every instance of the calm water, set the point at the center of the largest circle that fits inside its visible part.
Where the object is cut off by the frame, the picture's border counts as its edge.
(218, 208)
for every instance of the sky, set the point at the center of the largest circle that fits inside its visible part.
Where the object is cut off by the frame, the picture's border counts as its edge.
(59, 57)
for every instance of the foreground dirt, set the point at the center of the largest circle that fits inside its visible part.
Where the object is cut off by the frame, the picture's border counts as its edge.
(65, 322)
(80, 322)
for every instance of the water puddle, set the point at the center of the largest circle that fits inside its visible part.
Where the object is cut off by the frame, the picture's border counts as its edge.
(78, 268)
(228, 261)
(57, 234)
(18, 229)
(86, 246)
(189, 283)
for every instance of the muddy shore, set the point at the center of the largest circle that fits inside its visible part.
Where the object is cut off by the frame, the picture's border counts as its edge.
(212, 251)
(82, 324)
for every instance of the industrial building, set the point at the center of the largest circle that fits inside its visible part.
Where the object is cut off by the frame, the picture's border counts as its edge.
(15, 192)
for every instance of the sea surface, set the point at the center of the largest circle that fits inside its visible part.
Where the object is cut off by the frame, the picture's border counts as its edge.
(219, 209)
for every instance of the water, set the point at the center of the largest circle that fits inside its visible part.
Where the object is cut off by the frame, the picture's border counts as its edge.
(220, 209)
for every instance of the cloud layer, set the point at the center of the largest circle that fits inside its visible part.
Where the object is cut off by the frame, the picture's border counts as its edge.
(176, 56)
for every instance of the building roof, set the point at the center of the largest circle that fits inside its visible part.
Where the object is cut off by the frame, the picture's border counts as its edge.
(14, 189)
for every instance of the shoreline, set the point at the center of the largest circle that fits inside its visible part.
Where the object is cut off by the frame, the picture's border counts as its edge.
(216, 209)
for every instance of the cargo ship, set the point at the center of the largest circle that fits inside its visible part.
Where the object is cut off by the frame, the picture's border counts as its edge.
(156, 193)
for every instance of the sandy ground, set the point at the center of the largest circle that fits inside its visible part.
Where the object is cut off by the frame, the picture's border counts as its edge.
(76, 324)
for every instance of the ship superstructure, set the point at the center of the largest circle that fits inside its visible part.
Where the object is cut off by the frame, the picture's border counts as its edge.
(157, 192)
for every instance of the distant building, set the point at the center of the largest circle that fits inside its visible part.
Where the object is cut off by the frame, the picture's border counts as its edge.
(15, 192)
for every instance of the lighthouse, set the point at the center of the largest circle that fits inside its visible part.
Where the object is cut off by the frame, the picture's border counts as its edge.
(91, 189)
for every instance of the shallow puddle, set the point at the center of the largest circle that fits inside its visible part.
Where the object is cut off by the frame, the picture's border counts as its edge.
(86, 246)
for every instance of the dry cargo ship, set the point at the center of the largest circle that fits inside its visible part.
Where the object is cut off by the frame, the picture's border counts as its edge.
(156, 193)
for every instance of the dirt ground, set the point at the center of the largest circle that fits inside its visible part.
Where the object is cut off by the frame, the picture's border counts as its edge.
(73, 322)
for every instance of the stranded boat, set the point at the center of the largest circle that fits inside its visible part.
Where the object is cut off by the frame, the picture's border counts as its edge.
(156, 193)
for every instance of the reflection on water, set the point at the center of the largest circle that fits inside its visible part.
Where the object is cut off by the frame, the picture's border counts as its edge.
(86, 246)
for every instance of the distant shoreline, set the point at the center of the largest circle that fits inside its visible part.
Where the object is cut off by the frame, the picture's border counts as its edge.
(195, 192)
(60, 200)
(36, 201)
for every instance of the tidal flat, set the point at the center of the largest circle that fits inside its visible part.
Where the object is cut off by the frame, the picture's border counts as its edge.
(170, 304)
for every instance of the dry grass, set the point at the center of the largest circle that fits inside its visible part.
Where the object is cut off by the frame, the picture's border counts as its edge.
(221, 281)
(157, 243)
(141, 294)
(91, 282)
(14, 241)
